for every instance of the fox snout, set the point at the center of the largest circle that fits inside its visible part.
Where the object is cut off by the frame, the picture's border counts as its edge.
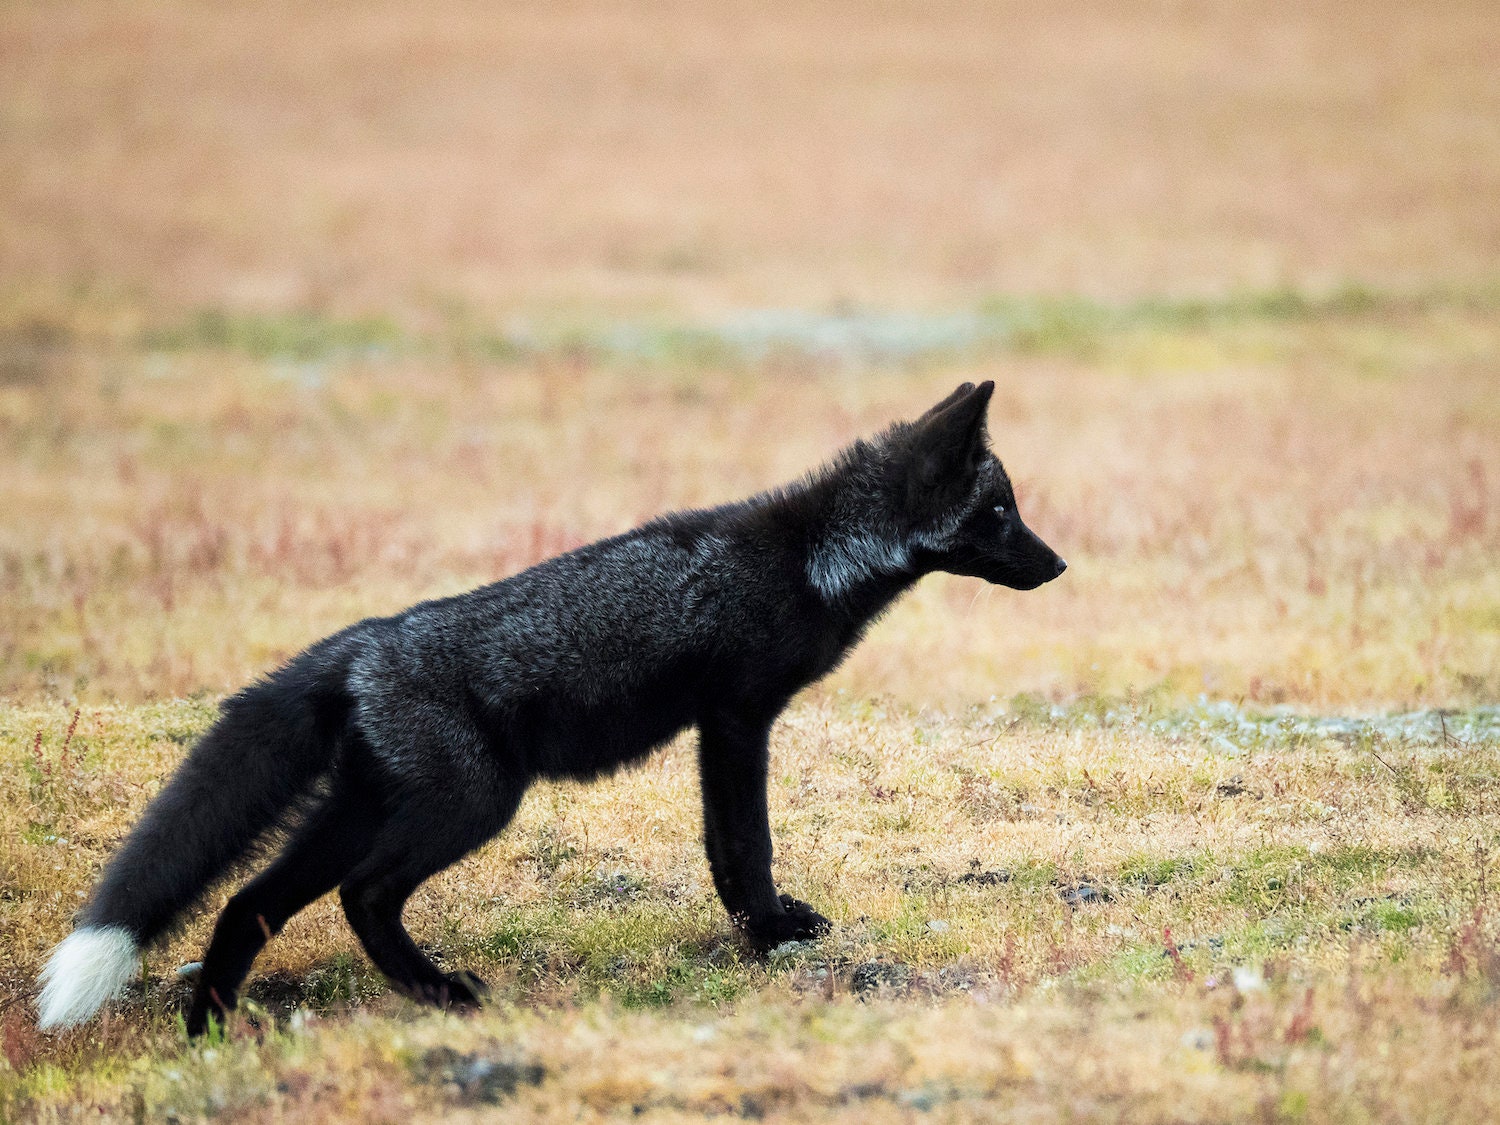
(1004, 552)
(1042, 568)
(1035, 563)
(1019, 558)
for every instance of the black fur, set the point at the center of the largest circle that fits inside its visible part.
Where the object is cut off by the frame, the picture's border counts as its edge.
(426, 728)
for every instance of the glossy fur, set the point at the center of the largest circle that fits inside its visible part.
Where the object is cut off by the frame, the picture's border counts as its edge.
(403, 743)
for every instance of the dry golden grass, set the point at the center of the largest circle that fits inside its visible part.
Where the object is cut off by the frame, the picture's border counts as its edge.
(310, 311)
(1279, 510)
(1285, 510)
(1276, 922)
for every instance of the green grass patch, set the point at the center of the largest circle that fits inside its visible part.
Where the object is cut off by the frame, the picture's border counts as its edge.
(1072, 326)
(300, 335)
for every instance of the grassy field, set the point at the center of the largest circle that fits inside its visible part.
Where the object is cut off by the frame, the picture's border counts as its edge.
(309, 312)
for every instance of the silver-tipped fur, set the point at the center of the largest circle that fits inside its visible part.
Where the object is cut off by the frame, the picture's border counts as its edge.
(88, 967)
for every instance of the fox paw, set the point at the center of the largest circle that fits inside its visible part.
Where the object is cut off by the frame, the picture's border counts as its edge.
(456, 990)
(796, 922)
(209, 1003)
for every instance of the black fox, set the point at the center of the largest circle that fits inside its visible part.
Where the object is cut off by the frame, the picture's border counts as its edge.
(403, 743)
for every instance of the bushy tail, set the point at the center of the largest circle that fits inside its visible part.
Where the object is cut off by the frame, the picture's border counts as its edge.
(270, 742)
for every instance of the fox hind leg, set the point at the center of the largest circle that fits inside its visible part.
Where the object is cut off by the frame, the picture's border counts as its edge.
(418, 841)
(320, 854)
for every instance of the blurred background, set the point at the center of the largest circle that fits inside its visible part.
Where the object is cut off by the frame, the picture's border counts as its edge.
(307, 311)
(709, 158)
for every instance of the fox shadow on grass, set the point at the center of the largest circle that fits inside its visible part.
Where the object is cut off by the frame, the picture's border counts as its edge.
(399, 745)
(704, 966)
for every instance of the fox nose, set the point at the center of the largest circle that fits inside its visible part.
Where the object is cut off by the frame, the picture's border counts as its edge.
(1062, 565)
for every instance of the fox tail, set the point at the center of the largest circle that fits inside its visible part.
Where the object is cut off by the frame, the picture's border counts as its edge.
(242, 779)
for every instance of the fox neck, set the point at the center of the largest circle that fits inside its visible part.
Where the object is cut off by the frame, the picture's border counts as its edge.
(857, 570)
(858, 560)
(857, 566)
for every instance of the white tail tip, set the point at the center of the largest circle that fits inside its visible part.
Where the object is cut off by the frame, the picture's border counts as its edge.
(88, 967)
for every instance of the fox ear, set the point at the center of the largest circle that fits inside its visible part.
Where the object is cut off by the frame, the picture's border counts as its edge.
(949, 433)
(964, 390)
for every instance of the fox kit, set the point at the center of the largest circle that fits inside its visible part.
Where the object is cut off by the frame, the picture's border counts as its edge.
(403, 743)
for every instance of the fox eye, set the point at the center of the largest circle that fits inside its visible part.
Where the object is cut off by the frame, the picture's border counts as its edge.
(1000, 510)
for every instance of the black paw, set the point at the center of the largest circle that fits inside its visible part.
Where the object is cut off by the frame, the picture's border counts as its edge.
(209, 1003)
(796, 922)
(454, 991)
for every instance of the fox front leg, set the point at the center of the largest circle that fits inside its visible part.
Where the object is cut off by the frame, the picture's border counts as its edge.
(733, 754)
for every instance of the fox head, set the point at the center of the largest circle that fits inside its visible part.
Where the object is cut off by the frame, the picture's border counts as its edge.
(924, 496)
(958, 499)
